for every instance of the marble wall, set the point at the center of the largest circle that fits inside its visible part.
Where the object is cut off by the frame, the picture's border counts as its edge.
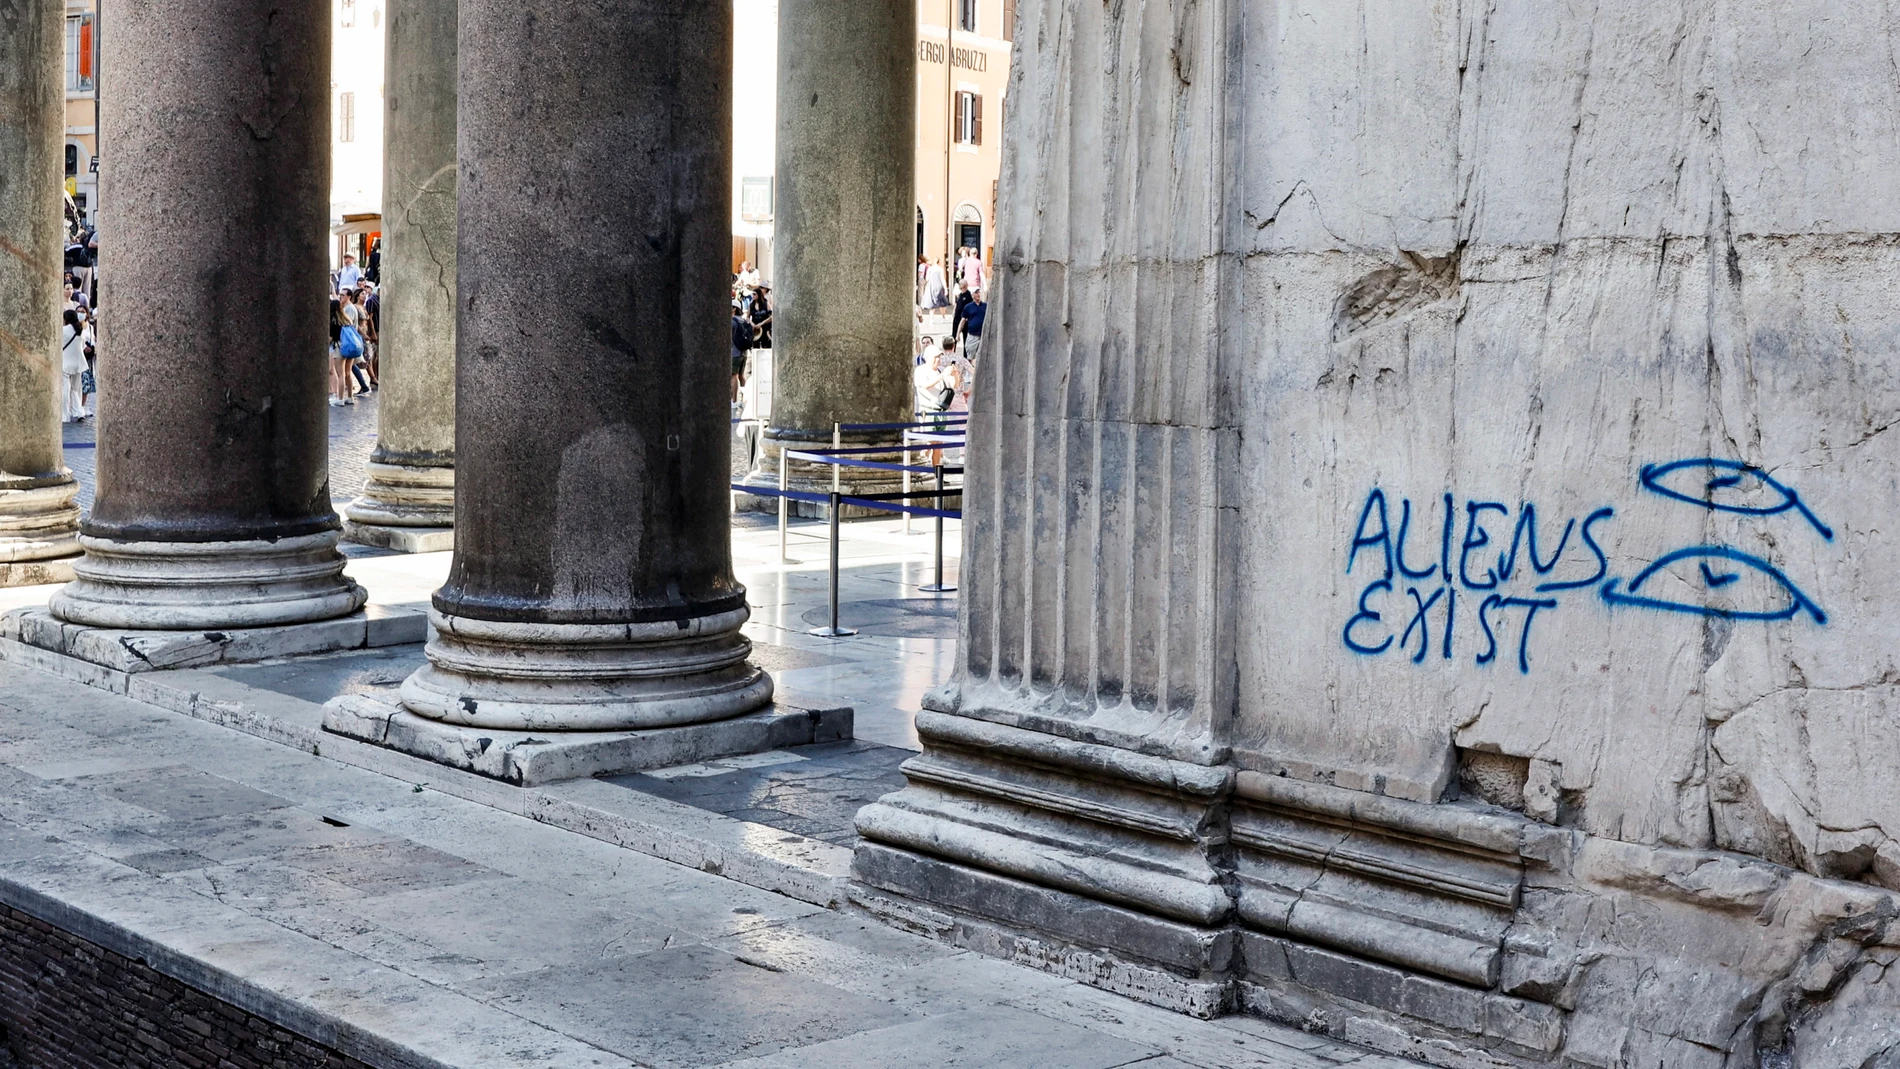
(1463, 429)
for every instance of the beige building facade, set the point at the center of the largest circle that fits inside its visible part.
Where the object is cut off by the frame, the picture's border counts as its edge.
(963, 50)
(82, 106)
(962, 54)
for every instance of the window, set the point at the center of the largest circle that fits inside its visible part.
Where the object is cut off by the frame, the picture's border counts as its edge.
(79, 54)
(966, 15)
(755, 199)
(72, 160)
(1009, 20)
(347, 9)
(346, 117)
(969, 119)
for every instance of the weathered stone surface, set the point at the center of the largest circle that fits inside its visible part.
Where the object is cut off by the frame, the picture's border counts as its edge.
(528, 759)
(38, 518)
(400, 539)
(213, 506)
(1469, 426)
(138, 650)
(592, 584)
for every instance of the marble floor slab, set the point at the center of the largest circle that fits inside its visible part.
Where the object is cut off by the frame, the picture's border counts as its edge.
(415, 920)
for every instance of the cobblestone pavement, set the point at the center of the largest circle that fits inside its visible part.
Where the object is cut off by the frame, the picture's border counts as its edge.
(352, 436)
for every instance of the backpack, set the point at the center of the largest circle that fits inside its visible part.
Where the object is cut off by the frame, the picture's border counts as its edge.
(350, 345)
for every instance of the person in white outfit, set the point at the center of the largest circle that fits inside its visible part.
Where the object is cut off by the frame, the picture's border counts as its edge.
(936, 295)
(72, 362)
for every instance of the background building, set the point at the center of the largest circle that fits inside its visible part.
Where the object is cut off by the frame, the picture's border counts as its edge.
(963, 50)
(356, 127)
(82, 105)
(754, 126)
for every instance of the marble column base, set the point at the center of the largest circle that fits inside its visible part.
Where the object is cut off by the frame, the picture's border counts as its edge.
(37, 572)
(586, 677)
(39, 531)
(528, 759)
(400, 539)
(404, 507)
(191, 586)
(54, 645)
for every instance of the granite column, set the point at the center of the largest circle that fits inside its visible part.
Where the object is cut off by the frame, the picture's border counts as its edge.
(213, 507)
(38, 519)
(409, 500)
(844, 223)
(592, 585)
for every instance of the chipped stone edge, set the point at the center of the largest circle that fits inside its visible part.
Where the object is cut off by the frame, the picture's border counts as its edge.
(531, 759)
(1204, 997)
(227, 987)
(809, 870)
(125, 651)
(400, 539)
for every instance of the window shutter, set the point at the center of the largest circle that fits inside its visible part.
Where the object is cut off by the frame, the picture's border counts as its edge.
(1009, 20)
(85, 52)
(976, 119)
(957, 134)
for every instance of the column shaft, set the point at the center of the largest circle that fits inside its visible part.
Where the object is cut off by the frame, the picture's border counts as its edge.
(38, 519)
(213, 505)
(412, 470)
(843, 229)
(592, 585)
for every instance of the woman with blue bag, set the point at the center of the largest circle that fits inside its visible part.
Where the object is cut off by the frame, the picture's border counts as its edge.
(344, 317)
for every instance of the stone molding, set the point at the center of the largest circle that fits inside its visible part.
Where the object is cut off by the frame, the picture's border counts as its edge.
(586, 677)
(1455, 932)
(38, 520)
(1087, 819)
(1425, 887)
(405, 495)
(188, 586)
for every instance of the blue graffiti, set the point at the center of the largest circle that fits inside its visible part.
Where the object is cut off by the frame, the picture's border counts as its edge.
(1735, 585)
(1603, 560)
(1367, 616)
(1722, 479)
(1634, 595)
(1430, 589)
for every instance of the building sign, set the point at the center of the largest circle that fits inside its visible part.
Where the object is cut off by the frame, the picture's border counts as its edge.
(755, 200)
(968, 58)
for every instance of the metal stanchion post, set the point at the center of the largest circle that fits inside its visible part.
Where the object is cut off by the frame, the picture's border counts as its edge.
(784, 507)
(938, 587)
(834, 631)
(906, 434)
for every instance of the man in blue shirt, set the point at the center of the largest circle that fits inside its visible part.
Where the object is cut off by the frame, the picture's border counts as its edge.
(973, 314)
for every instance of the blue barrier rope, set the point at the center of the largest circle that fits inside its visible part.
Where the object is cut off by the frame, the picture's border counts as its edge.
(849, 450)
(825, 499)
(834, 456)
(892, 426)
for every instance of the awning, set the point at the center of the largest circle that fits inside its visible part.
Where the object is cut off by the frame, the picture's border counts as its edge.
(358, 224)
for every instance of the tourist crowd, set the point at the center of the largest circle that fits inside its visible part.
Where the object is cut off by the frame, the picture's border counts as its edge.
(945, 369)
(78, 338)
(751, 324)
(356, 312)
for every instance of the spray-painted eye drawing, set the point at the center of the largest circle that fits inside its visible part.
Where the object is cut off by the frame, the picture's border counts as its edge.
(1715, 581)
(1728, 486)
